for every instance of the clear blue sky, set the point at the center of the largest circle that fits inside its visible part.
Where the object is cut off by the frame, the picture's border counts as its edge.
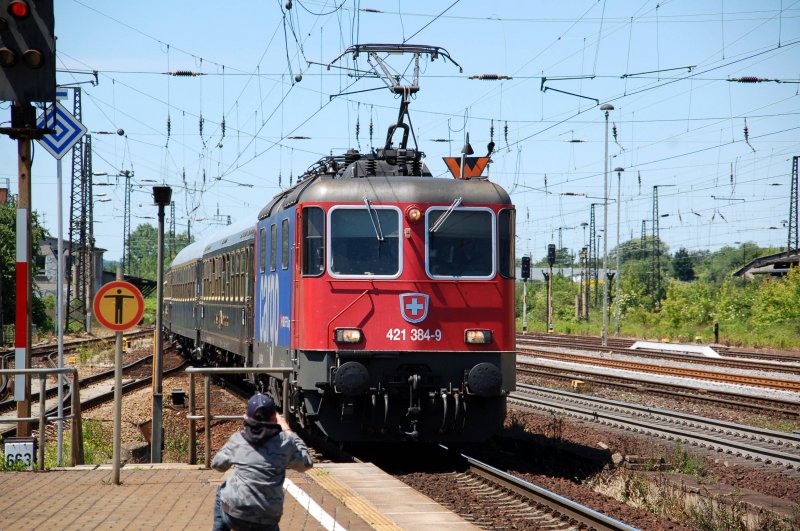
(675, 126)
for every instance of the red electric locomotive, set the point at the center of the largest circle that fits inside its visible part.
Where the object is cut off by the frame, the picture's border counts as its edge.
(390, 293)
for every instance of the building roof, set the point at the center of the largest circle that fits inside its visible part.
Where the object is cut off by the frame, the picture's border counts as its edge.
(775, 265)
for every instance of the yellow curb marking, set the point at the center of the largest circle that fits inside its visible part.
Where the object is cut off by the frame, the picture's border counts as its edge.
(353, 502)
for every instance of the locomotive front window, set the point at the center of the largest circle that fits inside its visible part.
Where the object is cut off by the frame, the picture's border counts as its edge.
(313, 256)
(364, 241)
(462, 246)
(506, 230)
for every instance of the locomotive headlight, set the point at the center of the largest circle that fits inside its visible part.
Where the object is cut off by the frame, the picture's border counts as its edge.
(413, 214)
(478, 337)
(347, 335)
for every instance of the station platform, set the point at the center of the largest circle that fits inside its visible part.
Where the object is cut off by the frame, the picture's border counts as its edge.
(333, 497)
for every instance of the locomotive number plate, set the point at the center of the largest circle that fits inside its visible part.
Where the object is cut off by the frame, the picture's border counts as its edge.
(413, 334)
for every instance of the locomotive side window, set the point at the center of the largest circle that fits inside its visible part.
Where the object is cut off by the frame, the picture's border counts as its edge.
(262, 250)
(273, 247)
(313, 242)
(506, 228)
(364, 241)
(463, 245)
(285, 244)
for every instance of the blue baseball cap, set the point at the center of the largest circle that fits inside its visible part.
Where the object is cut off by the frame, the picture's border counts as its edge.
(262, 405)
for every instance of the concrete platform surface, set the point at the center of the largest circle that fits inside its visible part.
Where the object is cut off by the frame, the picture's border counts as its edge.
(331, 497)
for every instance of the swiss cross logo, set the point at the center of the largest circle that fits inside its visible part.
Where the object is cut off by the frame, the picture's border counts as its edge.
(414, 307)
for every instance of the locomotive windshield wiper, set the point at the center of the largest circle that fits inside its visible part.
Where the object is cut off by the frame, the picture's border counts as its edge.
(376, 222)
(443, 217)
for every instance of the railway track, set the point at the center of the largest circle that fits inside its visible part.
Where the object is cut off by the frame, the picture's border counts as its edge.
(746, 442)
(786, 367)
(92, 398)
(781, 408)
(47, 351)
(620, 345)
(503, 497)
(665, 370)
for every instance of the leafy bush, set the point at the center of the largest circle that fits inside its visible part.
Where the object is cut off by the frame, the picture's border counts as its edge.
(688, 304)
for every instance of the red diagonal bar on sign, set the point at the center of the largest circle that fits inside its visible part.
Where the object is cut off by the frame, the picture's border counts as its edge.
(473, 166)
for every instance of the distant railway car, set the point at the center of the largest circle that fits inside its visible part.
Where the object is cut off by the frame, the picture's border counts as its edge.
(388, 291)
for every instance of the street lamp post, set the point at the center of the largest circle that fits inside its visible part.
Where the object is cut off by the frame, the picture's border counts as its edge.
(604, 333)
(619, 171)
(161, 197)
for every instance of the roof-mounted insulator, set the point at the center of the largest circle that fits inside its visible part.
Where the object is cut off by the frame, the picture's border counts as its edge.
(184, 73)
(490, 77)
(750, 79)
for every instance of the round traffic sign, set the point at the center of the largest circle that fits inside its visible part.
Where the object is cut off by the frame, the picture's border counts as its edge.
(118, 305)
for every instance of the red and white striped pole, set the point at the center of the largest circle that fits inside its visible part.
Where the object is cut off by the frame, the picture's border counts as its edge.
(21, 319)
(22, 334)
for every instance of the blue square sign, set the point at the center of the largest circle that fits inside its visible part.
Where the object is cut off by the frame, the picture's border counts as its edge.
(68, 130)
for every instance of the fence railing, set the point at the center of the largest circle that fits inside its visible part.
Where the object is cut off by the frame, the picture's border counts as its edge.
(207, 417)
(76, 431)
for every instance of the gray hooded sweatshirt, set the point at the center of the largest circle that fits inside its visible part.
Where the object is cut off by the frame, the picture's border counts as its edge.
(255, 490)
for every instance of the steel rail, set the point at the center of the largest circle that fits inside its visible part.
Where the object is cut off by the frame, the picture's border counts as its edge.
(787, 367)
(741, 379)
(537, 495)
(789, 408)
(622, 345)
(638, 419)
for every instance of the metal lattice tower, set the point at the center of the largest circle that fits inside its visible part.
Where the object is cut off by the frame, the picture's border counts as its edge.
(643, 253)
(76, 270)
(90, 258)
(792, 245)
(656, 255)
(593, 252)
(656, 251)
(126, 230)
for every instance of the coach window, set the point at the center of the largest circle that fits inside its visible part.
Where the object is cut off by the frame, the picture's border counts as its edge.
(462, 246)
(247, 253)
(364, 241)
(273, 247)
(237, 274)
(285, 244)
(506, 228)
(262, 250)
(313, 256)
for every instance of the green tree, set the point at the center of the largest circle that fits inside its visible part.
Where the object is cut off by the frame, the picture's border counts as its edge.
(143, 245)
(776, 301)
(8, 230)
(689, 304)
(682, 266)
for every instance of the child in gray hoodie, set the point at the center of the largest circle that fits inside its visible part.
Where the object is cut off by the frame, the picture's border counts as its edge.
(252, 498)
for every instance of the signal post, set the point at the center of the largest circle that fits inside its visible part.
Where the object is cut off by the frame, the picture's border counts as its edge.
(525, 270)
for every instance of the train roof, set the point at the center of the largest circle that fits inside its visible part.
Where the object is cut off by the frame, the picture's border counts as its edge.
(224, 237)
(381, 181)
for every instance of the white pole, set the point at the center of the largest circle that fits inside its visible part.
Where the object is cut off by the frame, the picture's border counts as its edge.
(60, 311)
(116, 450)
(604, 333)
(619, 251)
